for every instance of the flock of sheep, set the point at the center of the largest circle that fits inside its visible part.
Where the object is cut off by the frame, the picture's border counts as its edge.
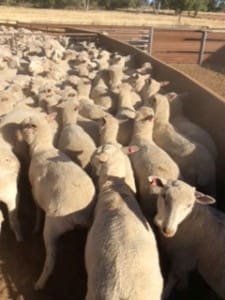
(105, 147)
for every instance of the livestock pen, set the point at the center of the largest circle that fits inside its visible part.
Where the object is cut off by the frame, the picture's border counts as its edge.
(21, 263)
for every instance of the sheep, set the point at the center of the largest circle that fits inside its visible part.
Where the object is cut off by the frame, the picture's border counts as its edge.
(103, 59)
(116, 76)
(121, 255)
(151, 87)
(196, 163)
(60, 188)
(7, 102)
(121, 61)
(109, 127)
(38, 65)
(146, 68)
(104, 97)
(191, 234)
(83, 87)
(125, 114)
(54, 50)
(9, 127)
(150, 159)
(128, 100)
(9, 194)
(187, 128)
(138, 81)
(73, 140)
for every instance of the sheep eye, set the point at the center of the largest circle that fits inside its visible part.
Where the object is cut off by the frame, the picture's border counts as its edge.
(4, 99)
(71, 95)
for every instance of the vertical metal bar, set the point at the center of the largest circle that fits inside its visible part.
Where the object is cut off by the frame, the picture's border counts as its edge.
(202, 49)
(150, 40)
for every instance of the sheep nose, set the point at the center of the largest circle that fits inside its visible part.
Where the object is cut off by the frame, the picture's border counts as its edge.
(168, 232)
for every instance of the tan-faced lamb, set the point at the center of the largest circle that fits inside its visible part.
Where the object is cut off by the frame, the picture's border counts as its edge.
(59, 186)
(150, 159)
(187, 128)
(73, 139)
(196, 163)
(121, 254)
(192, 235)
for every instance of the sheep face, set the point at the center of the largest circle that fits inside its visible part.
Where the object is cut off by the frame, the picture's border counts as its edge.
(175, 202)
(108, 122)
(29, 130)
(109, 160)
(35, 127)
(106, 159)
(161, 107)
(144, 114)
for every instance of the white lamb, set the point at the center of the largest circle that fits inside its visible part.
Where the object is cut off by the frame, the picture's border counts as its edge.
(191, 235)
(121, 254)
(73, 140)
(150, 159)
(9, 194)
(151, 88)
(187, 128)
(60, 187)
(108, 135)
(104, 97)
(128, 100)
(196, 163)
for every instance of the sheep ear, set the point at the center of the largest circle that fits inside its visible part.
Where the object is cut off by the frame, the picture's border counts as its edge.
(164, 83)
(148, 80)
(204, 199)
(157, 181)
(19, 135)
(171, 96)
(130, 149)
(50, 117)
(60, 104)
(183, 95)
(103, 157)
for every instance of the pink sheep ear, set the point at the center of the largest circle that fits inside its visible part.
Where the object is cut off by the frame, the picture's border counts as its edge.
(156, 181)
(50, 117)
(130, 149)
(172, 96)
(164, 83)
(204, 199)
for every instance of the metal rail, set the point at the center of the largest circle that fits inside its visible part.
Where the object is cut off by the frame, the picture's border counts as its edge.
(169, 45)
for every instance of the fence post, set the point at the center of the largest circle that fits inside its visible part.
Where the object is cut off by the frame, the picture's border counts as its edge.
(202, 49)
(150, 40)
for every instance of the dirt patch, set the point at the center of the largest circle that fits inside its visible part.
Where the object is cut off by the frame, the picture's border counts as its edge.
(210, 78)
